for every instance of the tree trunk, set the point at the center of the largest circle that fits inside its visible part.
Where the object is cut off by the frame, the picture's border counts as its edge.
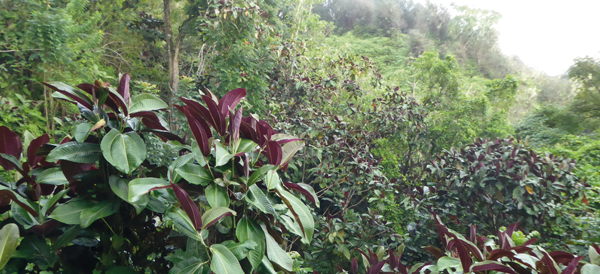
(173, 45)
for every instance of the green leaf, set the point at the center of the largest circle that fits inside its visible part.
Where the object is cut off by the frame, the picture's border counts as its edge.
(190, 266)
(247, 229)
(121, 270)
(198, 154)
(121, 188)
(140, 187)
(448, 263)
(217, 196)
(195, 174)
(275, 253)
(67, 237)
(53, 201)
(301, 213)
(13, 160)
(240, 250)
(266, 266)
(36, 251)
(272, 179)
(257, 198)
(9, 240)
(146, 102)
(82, 131)
(197, 249)
(223, 261)
(259, 174)
(52, 176)
(100, 210)
(124, 151)
(83, 153)
(215, 214)
(22, 216)
(245, 146)
(222, 155)
(594, 256)
(183, 223)
(290, 149)
(590, 269)
(179, 162)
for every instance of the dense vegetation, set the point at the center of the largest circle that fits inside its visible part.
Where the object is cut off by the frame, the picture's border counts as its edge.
(258, 136)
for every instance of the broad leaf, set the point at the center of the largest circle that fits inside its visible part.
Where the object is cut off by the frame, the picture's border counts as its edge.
(289, 150)
(9, 144)
(123, 88)
(306, 190)
(275, 253)
(21, 216)
(183, 223)
(71, 93)
(83, 153)
(138, 188)
(32, 158)
(173, 175)
(124, 151)
(52, 201)
(245, 146)
(222, 155)
(257, 198)
(66, 238)
(248, 230)
(217, 196)
(230, 100)
(259, 174)
(98, 211)
(190, 208)
(301, 213)
(9, 240)
(36, 251)
(82, 131)
(223, 261)
(590, 269)
(195, 174)
(240, 250)
(121, 188)
(70, 212)
(52, 176)
(213, 215)
(146, 102)
(272, 179)
(190, 266)
(199, 128)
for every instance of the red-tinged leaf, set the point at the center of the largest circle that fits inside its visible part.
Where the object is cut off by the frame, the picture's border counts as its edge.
(5, 193)
(235, 121)
(521, 249)
(561, 257)
(65, 140)
(211, 220)
(70, 169)
(493, 266)
(150, 120)
(273, 152)
(33, 159)
(463, 254)
(500, 253)
(436, 252)
(377, 267)
(597, 248)
(123, 88)
(354, 267)
(511, 229)
(119, 101)
(473, 234)
(9, 144)
(166, 136)
(441, 229)
(246, 168)
(547, 260)
(572, 267)
(285, 141)
(213, 116)
(306, 190)
(91, 89)
(518, 268)
(248, 132)
(200, 113)
(230, 100)
(198, 131)
(190, 208)
(71, 92)
(339, 268)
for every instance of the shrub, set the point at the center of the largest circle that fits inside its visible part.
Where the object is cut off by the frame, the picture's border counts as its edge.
(93, 203)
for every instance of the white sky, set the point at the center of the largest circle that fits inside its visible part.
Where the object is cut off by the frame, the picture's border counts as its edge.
(544, 34)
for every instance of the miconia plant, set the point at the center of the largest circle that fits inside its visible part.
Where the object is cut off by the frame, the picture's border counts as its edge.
(93, 202)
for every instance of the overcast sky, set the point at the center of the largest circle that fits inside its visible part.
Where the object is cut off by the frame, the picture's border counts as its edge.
(545, 34)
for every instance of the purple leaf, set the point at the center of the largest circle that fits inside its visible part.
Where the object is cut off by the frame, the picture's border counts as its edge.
(473, 234)
(188, 206)
(166, 136)
(572, 267)
(32, 159)
(91, 89)
(9, 144)
(150, 120)
(354, 266)
(273, 153)
(549, 263)
(230, 100)
(494, 267)
(500, 253)
(213, 116)
(511, 229)
(72, 93)
(198, 131)
(123, 87)
(306, 192)
(235, 121)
